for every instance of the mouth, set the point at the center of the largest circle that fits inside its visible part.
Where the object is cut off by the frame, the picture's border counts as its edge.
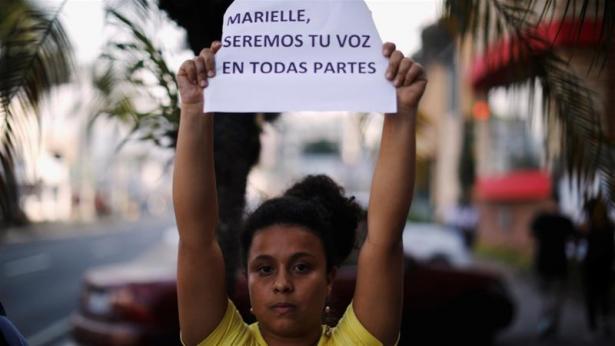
(283, 308)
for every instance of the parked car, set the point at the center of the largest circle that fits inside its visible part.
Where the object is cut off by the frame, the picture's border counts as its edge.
(436, 244)
(136, 303)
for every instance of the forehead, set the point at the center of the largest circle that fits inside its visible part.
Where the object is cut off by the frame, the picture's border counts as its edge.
(285, 240)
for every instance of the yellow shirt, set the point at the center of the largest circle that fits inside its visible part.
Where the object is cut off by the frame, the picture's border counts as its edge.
(232, 330)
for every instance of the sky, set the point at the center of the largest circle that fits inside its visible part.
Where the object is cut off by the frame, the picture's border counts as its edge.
(398, 21)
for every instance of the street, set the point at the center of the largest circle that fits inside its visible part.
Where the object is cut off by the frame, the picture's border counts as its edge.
(40, 282)
(572, 331)
(40, 279)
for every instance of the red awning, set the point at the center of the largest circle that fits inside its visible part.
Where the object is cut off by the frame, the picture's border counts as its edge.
(515, 187)
(497, 66)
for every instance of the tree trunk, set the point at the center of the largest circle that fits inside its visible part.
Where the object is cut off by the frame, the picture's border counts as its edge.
(11, 213)
(236, 150)
(236, 136)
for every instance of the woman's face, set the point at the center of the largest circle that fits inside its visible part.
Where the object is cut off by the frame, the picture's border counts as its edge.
(288, 280)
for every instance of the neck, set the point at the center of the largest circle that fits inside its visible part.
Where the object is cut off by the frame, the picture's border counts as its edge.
(308, 339)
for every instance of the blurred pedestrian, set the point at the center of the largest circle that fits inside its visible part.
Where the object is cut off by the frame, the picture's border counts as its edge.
(551, 231)
(463, 218)
(9, 335)
(598, 265)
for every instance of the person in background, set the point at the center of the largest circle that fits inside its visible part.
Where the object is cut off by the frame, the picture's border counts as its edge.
(463, 218)
(9, 334)
(551, 231)
(598, 265)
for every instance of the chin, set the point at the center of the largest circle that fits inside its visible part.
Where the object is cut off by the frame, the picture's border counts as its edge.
(287, 327)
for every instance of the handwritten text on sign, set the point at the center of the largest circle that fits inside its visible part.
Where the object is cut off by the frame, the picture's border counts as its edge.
(290, 55)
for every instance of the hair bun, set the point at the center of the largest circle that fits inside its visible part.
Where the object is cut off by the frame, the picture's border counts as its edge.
(342, 214)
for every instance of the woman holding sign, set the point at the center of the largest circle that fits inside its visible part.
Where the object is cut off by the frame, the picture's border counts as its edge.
(293, 244)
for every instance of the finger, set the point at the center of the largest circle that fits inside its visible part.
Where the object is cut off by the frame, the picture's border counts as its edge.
(188, 71)
(387, 49)
(404, 67)
(415, 73)
(215, 46)
(394, 61)
(210, 62)
(201, 71)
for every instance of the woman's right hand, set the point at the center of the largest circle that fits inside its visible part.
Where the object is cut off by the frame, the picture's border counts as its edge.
(193, 75)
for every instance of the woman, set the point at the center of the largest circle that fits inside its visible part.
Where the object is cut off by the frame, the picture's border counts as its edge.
(291, 243)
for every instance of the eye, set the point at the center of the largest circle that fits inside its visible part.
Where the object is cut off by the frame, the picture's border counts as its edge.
(264, 270)
(302, 268)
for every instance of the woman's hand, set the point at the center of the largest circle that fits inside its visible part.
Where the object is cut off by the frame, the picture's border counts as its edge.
(407, 76)
(193, 75)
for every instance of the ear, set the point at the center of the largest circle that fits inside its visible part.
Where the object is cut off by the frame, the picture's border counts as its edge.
(331, 278)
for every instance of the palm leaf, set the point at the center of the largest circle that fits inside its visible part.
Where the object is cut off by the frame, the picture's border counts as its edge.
(569, 105)
(133, 69)
(35, 55)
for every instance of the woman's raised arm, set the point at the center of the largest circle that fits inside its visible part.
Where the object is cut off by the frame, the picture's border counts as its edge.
(200, 275)
(378, 295)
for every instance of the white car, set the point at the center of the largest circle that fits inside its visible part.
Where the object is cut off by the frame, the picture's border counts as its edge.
(435, 244)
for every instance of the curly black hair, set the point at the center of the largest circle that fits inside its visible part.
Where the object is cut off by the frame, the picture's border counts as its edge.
(317, 203)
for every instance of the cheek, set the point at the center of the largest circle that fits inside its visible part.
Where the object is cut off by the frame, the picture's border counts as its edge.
(314, 289)
(257, 290)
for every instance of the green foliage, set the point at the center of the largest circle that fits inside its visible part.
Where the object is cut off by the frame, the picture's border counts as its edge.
(506, 255)
(134, 83)
(35, 55)
(321, 147)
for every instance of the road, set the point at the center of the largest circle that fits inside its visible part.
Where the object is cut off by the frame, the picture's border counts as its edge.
(40, 282)
(40, 279)
(573, 329)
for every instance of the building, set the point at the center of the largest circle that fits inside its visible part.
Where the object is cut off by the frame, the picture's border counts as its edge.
(489, 94)
(510, 191)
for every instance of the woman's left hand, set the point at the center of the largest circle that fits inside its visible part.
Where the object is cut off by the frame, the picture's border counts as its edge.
(407, 76)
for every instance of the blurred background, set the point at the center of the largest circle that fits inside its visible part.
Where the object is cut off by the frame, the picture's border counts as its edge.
(510, 237)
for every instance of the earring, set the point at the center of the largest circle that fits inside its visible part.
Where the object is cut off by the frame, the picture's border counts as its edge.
(327, 317)
(251, 310)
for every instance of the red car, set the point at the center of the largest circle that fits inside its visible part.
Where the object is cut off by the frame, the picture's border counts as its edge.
(136, 304)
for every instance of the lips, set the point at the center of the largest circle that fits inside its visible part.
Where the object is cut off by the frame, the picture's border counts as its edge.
(283, 308)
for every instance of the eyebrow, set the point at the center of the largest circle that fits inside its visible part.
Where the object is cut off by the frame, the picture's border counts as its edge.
(293, 257)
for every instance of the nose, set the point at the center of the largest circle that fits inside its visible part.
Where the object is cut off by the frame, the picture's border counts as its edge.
(282, 283)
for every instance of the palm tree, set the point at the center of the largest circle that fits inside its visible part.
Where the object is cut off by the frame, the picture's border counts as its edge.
(131, 67)
(572, 117)
(35, 55)
(236, 137)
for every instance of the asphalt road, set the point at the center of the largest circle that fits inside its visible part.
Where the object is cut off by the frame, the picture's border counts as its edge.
(40, 282)
(40, 279)
(573, 329)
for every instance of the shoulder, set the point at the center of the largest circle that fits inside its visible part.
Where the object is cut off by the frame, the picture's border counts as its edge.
(9, 333)
(349, 331)
(539, 219)
(231, 330)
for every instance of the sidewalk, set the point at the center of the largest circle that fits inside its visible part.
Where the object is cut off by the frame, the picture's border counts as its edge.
(573, 329)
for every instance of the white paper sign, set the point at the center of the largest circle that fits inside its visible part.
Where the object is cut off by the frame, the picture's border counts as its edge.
(300, 55)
